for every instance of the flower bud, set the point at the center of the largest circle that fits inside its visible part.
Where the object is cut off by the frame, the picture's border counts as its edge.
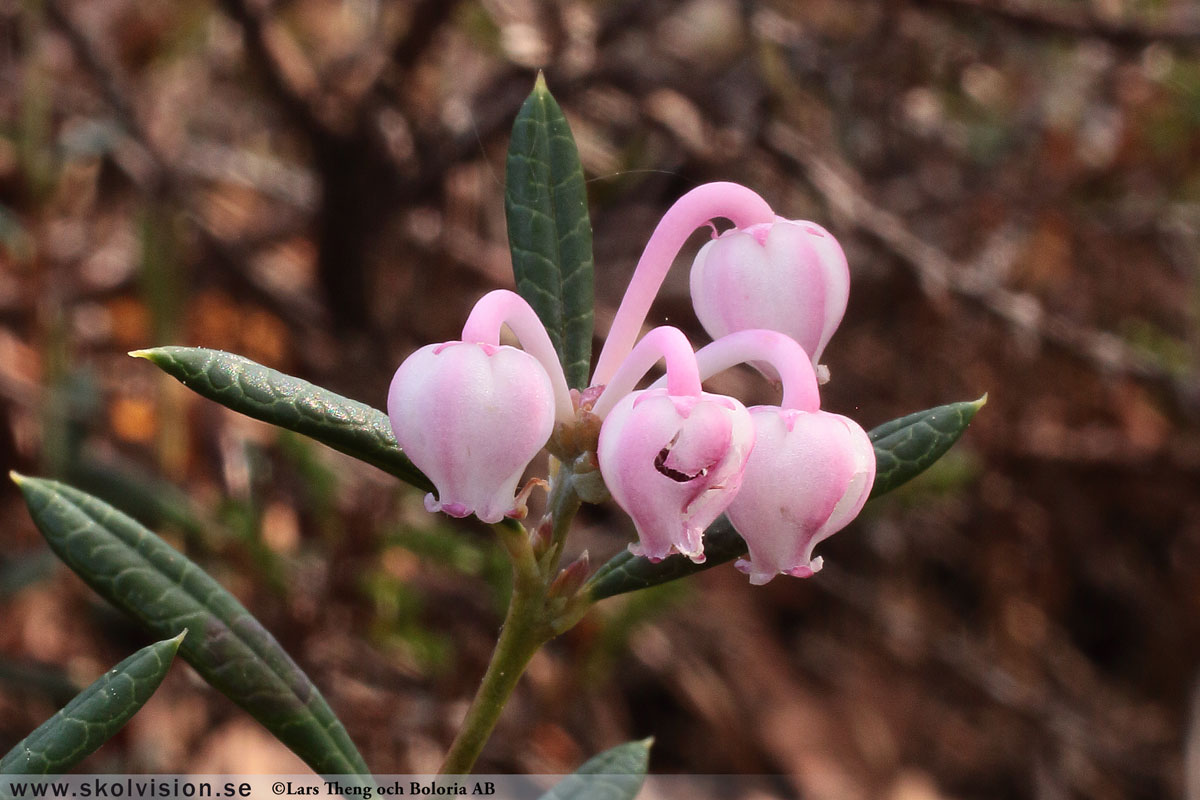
(674, 463)
(809, 475)
(786, 276)
(571, 578)
(471, 417)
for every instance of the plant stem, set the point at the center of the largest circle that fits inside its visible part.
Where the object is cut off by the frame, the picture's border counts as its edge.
(525, 630)
(563, 504)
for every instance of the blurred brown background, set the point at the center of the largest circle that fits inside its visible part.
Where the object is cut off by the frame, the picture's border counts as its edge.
(317, 184)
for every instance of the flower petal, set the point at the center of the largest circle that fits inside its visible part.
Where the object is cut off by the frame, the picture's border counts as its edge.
(809, 475)
(786, 276)
(674, 464)
(471, 417)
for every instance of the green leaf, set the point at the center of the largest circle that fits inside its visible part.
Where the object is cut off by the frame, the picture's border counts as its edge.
(626, 572)
(145, 497)
(94, 716)
(904, 448)
(154, 583)
(615, 774)
(549, 232)
(249, 388)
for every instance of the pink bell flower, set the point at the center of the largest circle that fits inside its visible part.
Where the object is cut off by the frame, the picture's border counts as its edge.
(808, 477)
(472, 414)
(674, 464)
(810, 471)
(786, 276)
(671, 457)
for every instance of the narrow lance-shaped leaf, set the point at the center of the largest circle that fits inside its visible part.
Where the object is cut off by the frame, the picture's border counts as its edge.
(145, 577)
(94, 716)
(143, 496)
(904, 448)
(549, 232)
(249, 388)
(615, 774)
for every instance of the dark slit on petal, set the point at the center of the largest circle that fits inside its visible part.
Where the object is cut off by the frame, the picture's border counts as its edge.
(660, 464)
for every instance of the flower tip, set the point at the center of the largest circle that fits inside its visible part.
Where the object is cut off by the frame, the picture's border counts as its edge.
(763, 577)
(757, 578)
(805, 570)
(433, 505)
(636, 549)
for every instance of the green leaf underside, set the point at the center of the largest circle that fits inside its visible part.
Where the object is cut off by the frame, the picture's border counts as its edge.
(615, 774)
(94, 716)
(904, 448)
(549, 233)
(354, 428)
(143, 576)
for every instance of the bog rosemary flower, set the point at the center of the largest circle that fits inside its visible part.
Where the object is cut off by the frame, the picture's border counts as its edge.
(810, 471)
(671, 456)
(788, 276)
(808, 477)
(472, 414)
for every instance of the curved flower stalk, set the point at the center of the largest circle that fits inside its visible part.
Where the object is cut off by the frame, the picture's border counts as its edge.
(695, 209)
(787, 359)
(472, 414)
(501, 307)
(672, 457)
(789, 276)
(810, 471)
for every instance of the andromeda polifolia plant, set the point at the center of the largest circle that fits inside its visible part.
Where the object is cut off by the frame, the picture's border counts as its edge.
(703, 479)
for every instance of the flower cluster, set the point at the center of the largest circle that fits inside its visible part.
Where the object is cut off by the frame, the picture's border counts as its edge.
(472, 414)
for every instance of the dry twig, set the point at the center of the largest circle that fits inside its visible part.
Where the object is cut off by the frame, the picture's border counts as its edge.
(938, 273)
(1047, 19)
